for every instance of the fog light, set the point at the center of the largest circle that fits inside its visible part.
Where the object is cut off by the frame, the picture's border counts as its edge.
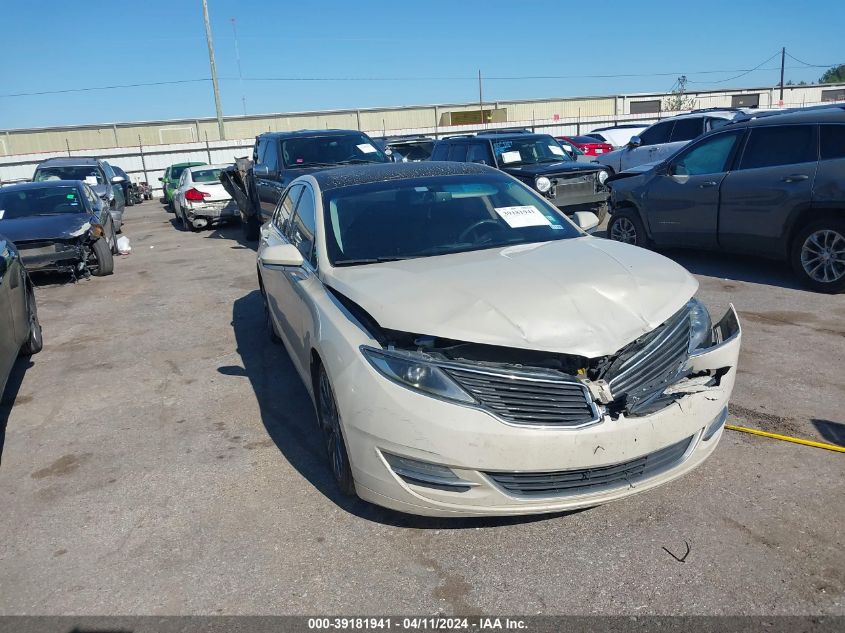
(717, 423)
(427, 474)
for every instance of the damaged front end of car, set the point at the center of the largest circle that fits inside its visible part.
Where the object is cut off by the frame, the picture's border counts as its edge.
(72, 253)
(523, 387)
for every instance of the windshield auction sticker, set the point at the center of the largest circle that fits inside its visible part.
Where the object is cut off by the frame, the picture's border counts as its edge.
(511, 157)
(366, 148)
(522, 216)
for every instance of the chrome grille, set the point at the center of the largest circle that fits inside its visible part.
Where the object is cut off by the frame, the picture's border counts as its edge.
(568, 186)
(540, 398)
(653, 363)
(591, 480)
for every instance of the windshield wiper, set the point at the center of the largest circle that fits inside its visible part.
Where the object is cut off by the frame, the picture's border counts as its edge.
(368, 260)
(352, 161)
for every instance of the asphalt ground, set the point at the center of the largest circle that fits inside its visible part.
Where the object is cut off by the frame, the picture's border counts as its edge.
(160, 457)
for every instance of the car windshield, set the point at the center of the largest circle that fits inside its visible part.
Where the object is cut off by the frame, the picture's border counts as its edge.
(528, 151)
(206, 175)
(23, 203)
(412, 152)
(87, 173)
(315, 151)
(439, 215)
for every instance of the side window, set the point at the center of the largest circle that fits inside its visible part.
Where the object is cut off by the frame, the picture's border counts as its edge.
(108, 171)
(302, 228)
(832, 141)
(716, 123)
(772, 146)
(258, 152)
(271, 155)
(92, 199)
(710, 156)
(458, 152)
(440, 151)
(479, 153)
(687, 129)
(284, 210)
(657, 133)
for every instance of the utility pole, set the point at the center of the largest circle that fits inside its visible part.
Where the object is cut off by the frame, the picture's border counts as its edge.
(782, 63)
(213, 70)
(480, 99)
(238, 58)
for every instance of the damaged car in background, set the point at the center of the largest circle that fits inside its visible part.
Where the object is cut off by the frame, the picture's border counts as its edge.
(59, 226)
(472, 351)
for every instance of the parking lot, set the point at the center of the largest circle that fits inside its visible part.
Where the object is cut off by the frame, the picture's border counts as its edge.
(161, 457)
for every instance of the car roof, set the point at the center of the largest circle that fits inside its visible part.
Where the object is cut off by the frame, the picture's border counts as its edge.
(831, 114)
(82, 161)
(196, 164)
(495, 137)
(309, 133)
(380, 172)
(44, 184)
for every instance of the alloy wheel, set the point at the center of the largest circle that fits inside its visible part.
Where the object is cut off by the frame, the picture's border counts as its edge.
(623, 230)
(823, 256)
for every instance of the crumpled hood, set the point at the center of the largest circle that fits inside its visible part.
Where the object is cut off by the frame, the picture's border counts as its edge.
(560, 167)
(584, 296)
(63, 226)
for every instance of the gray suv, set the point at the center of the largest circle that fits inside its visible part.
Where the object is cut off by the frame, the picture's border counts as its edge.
(96, 173)
(772, 186)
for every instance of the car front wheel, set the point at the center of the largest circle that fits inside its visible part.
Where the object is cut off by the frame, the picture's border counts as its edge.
(34, 342)
(818, 255)
(329, 420)
(626, 226)
(103, 263)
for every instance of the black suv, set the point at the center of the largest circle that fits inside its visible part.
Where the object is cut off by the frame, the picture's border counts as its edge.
(772, 186)
(280, 157)
(539, 161)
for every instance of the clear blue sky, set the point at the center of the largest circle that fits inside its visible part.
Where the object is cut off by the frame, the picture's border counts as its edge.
(101, 42)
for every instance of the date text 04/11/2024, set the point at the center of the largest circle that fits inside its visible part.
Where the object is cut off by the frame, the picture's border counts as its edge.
(428, 623)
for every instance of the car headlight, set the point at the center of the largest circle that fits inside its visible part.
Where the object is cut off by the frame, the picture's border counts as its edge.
(415, 373)
(543, 184)
(602, 177)
(700, 325)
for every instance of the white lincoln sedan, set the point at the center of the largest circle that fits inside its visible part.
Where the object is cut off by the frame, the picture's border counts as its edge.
(471, 351)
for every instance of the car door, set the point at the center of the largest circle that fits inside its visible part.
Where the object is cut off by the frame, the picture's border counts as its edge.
(181, 187)
(773, 180)
(682, 200)
(651, 138)
(273, 277)
(10, 338)
(270, 187)
(297, 285)
(480, 153)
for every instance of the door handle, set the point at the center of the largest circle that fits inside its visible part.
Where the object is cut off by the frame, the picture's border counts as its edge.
(709, 183)
(796, 178)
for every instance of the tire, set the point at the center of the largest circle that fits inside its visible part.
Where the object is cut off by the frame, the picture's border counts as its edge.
(34, 343)
(331, 430)
(625, 226)
(817, 255)
(104, 259)
(251, 228)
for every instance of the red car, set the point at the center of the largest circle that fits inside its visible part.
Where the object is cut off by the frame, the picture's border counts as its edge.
(587, 144)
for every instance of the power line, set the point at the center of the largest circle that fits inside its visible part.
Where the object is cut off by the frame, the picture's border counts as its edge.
(742, 74)
(810, 65)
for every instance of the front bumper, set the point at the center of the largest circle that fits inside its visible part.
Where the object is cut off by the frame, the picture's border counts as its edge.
(380, 417)
(51, 256)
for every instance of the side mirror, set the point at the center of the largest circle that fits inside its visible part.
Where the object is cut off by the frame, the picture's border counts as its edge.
(161, 179)
(635, 141)
(117, 180)
(281, 255)
(261, 171)
(586, 220)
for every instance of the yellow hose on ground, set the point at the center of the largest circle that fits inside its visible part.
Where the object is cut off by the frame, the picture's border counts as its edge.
(787, 438)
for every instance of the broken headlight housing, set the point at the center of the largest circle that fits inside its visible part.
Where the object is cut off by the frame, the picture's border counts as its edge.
(413, 371)
(700, 325)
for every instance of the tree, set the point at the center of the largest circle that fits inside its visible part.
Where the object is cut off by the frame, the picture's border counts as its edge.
(834, 75)
(679, 99)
